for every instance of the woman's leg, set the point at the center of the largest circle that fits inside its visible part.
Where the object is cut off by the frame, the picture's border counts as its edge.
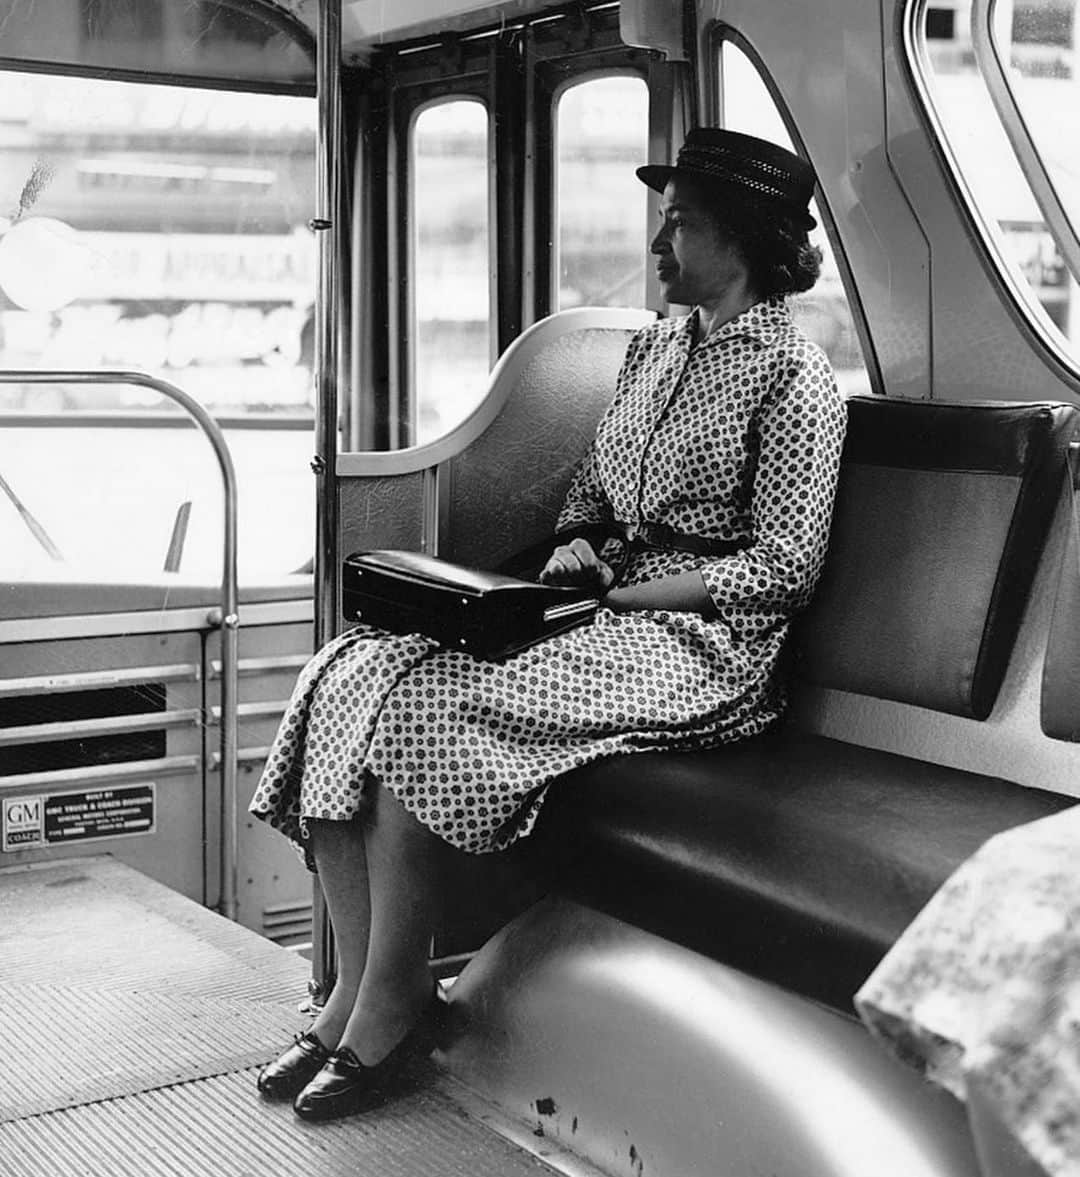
(406, 878)
(340, 855)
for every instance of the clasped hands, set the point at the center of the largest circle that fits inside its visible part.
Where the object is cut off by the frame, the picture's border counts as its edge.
(576, 563)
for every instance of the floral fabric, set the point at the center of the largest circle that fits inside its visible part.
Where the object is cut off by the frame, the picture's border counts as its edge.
(983, 989)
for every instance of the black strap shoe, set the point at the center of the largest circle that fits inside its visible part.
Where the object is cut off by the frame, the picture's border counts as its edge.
(346, 1086)
(292, 1072)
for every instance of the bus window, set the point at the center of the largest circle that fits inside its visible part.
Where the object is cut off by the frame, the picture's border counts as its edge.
(201, 40)
(161, 229)
(602, 132)
(1032, 65)
(824, 312)
(451, 267)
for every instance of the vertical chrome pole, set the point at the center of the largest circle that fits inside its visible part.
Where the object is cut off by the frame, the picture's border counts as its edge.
(331, 231)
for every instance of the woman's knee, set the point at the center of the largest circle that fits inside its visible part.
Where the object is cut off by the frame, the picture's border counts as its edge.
(327, 835)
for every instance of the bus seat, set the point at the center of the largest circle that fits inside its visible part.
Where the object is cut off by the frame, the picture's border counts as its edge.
(506, 489)
(1060, 697)
(494, 484)
(940, 520)
(800, 858)
(795, 858)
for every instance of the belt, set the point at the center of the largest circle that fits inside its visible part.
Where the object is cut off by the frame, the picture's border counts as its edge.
(659, 536)
(633, 537)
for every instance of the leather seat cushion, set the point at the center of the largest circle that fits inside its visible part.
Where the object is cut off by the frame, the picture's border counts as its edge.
(794, 857)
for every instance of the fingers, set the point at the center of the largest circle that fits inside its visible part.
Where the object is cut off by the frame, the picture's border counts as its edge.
(576, 563)
(568, 563)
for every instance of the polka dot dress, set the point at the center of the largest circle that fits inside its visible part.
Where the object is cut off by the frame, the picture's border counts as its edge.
(736, 438)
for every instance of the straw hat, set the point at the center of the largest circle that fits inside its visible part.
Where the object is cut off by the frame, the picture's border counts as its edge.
(745, 166)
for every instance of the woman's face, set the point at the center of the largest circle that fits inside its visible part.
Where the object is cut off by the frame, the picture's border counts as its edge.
(697, 265)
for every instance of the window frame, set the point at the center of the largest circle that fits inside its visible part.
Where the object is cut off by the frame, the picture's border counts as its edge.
(294, 415)
(567, 84)
(272, 14)
(1017, 295)
(514, 69)
(990, 61)
(408, 241)
(717, 35)
(470, 80)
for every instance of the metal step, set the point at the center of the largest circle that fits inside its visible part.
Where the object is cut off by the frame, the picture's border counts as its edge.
(134, 1024)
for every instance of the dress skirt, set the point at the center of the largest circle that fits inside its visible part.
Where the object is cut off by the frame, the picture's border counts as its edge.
(469, 747)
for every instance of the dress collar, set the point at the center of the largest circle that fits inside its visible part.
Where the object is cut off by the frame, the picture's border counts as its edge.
(763, 323)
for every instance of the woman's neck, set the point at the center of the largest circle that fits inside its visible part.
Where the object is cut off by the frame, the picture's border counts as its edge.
(711, 316)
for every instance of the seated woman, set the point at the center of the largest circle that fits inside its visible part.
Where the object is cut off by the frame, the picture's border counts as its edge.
(723, 443)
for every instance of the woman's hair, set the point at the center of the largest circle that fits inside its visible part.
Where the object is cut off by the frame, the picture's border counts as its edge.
(778, 255)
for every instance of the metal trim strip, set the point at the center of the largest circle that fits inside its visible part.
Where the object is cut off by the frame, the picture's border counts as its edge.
(254, 666)
(89, 680)
(504, 378)
(93, 625)
(101, 773)
(261, 709)
(43, 733)
(244, 756)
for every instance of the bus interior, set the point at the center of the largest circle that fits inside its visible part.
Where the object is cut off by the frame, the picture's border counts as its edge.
(283, 280)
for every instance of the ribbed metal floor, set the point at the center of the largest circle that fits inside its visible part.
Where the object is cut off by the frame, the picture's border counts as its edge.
(133, 1022)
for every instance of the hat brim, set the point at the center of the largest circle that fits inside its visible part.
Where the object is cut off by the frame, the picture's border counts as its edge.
(657, 175)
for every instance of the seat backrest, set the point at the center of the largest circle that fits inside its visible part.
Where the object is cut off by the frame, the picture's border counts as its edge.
(496, 482)
(941, 516)
(1060, 696)
(505, 491)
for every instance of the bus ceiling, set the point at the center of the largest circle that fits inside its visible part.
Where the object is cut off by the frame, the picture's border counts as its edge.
(367, 24)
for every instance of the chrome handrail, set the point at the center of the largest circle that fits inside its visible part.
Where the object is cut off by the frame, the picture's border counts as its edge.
(229, 619)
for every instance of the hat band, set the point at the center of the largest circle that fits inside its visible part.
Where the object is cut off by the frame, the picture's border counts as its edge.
(711, 162)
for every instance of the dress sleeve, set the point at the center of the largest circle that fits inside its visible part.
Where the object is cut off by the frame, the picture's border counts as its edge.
(586, 501)
(800, 431)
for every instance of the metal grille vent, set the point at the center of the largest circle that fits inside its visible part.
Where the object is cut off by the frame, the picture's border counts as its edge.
(21, 714)
(288, 924)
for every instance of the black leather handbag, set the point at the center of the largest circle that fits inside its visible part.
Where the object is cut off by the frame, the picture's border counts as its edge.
(489, 615)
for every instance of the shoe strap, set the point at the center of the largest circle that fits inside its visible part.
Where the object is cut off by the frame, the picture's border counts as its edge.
(310, 1043)
(346, 1059)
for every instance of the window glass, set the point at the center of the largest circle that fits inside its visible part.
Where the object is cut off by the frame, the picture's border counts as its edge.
(199, 39)
(823, 312)
(1037, 41)
(451, 263)
(164, 230)
(602, 128)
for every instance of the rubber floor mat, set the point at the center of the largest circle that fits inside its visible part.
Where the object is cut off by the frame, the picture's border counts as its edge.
(220, 1127)
(111, 984)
